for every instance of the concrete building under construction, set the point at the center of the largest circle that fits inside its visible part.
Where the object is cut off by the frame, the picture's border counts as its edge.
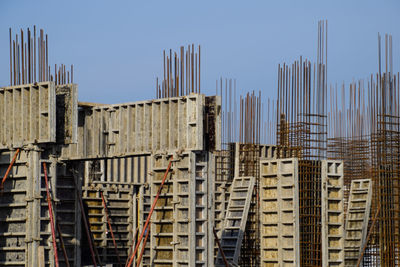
(185, 179)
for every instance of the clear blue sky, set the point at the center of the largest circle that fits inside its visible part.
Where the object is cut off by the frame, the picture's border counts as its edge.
(116, 46)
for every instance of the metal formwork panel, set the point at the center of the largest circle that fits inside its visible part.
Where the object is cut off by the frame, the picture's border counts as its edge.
(44, 231)
(67, 113)
(141, 127)
(235, 219)
(357, 219)
(124, 170)
(180, 225)
(14, 215)
(25, 221)
(268, 151)
(68, 211)
(121, 204)
(332, 213)
(279, 212)
(27, 114)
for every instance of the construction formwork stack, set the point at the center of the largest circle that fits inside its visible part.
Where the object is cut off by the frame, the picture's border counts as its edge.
(281, 225)
(29, 113)
(111, 156)
(140, 139)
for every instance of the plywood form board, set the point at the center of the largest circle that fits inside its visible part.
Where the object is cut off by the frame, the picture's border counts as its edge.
(357, 219)
(332, 213)
(180, 225)
(27, 115)
(279, 212)
(137, 128)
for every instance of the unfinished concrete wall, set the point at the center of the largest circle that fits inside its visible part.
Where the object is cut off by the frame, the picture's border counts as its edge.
(27, 114)
(279, 212)
(357, 219)
(155, 126)
(332, 213)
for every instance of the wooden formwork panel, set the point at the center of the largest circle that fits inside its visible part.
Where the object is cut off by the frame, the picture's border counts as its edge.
(140, 127)
(332, 213)
(357, 219)
(181, 222)
(279, 212)
(27, 114)
(122, 209)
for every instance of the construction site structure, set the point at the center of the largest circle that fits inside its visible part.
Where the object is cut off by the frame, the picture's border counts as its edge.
(186, 179)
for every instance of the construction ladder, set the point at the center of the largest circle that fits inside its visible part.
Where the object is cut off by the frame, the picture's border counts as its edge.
(235, 219)
(357, 219)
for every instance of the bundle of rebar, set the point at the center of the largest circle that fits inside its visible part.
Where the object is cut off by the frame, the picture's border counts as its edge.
(301, 105)
(181, 73)
(29, 60)
(384, 245)
(301, 132)
(364, 132)
(349, 132)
